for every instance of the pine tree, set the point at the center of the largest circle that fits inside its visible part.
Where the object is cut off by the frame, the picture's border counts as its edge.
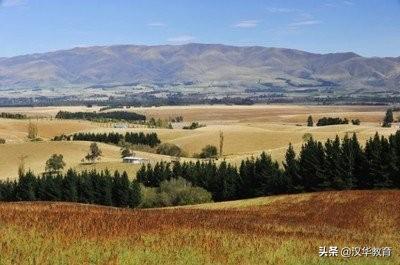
(361, 165)
(85, 188)
(347, 163)
(387, 121)
(292, 168)
(310, 122)
(50, 188)
(394, 141)
(69, 189)
(135, 197)
(26, 188)
(311, 161)
(121, 190)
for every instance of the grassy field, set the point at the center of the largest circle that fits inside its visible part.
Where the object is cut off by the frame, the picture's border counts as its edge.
(36, 154)
(273, 230)
(248, 130)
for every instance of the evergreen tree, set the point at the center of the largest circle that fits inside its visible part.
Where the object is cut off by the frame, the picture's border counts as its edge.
(85, 188)
(135, 194)
(69, 189)
(347, 163)
(310, 122)
(26, 188)
(49, 188)
(312, 160)
(334, 170)
(121, 190)
(387, 121)
(292, 168)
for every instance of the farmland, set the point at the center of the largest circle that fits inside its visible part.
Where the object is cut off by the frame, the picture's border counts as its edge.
(248, 130)
(285, 229)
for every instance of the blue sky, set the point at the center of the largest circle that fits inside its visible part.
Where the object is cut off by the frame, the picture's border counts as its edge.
(367, 27)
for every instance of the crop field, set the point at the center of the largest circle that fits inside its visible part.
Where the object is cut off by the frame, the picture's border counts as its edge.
(248, 130)
(281, 230)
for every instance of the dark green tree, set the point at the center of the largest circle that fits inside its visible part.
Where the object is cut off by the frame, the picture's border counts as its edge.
(387, 121)
(292, 171)
(310, 122)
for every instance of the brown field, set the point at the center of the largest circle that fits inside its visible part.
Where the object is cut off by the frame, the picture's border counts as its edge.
(262, 113)
(286, 229)
(16, 130)
(248, 130)
(38, 152)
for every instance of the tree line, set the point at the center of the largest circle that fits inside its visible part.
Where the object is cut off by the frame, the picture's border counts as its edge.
(334, 165)
(325, 121)
(102, 116)
(86, 187)
(17, 116)
(150, 139)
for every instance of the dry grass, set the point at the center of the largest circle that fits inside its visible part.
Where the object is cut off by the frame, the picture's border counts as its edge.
(46, 111)
(248, 130)
(274, 230)
(37, 154)
(16, 130)
(261, 113)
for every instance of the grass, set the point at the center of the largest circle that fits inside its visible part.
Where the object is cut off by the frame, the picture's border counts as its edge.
(15, 131)
(272, 230)
(248, 130)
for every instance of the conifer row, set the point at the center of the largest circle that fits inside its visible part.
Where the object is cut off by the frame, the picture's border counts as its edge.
(337, 164)
(86, 187)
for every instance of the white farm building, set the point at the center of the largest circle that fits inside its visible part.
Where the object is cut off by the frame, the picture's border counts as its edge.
(134, 160)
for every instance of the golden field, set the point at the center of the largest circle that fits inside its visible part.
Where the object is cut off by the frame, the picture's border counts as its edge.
(248, 130)
(279, 230)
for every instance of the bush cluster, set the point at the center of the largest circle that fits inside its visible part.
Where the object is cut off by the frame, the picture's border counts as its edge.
(174, 192)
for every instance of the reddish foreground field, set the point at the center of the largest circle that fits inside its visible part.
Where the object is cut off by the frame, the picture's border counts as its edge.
(272, 230)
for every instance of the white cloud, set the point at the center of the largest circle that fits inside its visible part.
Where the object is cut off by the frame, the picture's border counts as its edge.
(181, 39)
(348, 2)
(157, 24)
(279, 10)
(304, 23)
(247, 24)
(10, 3)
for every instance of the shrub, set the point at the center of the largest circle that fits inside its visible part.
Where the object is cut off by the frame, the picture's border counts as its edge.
(170, 150)
(356, 122)
(325, 121)
(176, 191)
(2, 141)
(209, 151)
(193, 126)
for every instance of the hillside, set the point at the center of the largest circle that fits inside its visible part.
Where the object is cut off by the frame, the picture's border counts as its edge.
(275, 68)
(286, 229)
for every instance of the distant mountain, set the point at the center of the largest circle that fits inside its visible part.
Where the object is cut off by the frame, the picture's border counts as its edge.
(198, 63)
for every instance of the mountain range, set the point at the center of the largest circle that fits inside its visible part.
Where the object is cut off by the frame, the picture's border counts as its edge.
(198, 63)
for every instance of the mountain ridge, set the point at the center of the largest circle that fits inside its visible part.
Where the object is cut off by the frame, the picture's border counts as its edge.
(198, 63)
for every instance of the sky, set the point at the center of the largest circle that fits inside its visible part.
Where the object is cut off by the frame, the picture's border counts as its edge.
(367, 27)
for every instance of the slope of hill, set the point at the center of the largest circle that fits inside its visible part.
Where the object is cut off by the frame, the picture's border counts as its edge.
(273, 230)
(198, 63)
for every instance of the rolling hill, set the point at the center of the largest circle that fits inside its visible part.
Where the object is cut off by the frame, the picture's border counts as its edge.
(285, 229)
(198, 63)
